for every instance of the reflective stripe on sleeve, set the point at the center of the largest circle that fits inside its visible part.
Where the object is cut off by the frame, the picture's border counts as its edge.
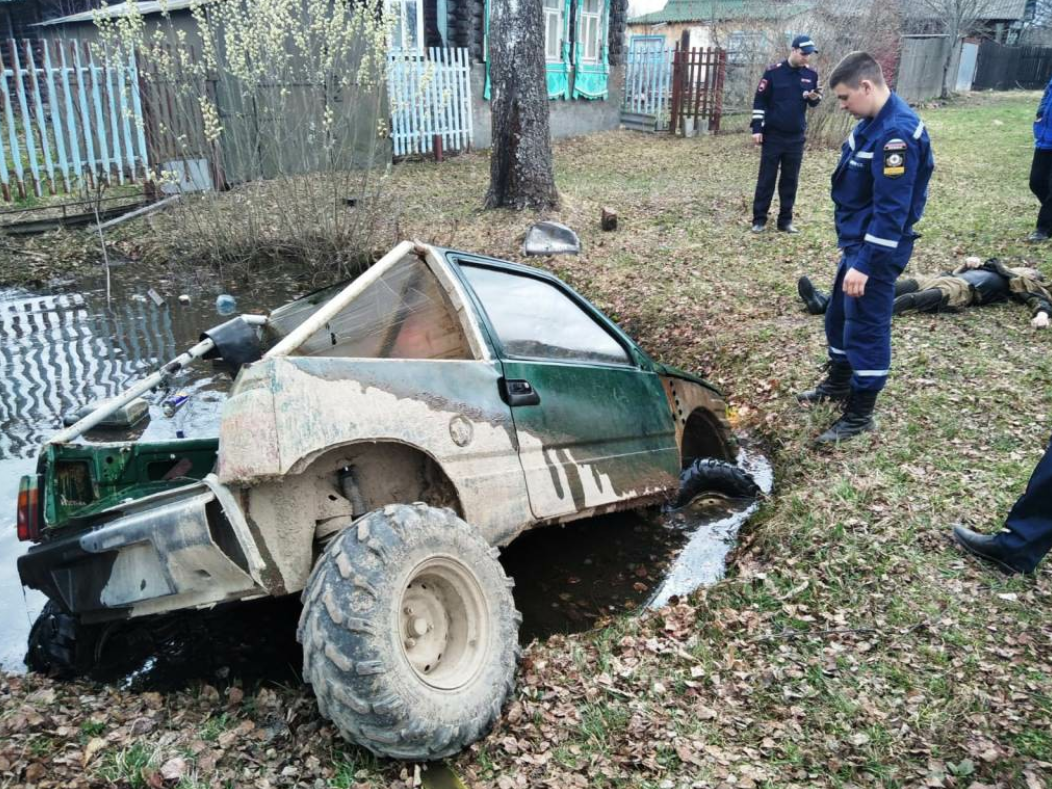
(851, 140)
(881, 242)
(864, 154)
(871, 373)
(920, 130)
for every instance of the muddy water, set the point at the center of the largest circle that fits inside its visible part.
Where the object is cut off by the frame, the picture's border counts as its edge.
(66, 347)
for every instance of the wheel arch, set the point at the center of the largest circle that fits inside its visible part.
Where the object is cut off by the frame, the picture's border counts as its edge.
(700, 414)
(290, 514)
(424, 480)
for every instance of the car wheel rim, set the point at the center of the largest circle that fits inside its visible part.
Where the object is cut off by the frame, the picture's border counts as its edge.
(443, 623)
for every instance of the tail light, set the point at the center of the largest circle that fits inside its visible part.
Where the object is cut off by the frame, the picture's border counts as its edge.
(29, 508)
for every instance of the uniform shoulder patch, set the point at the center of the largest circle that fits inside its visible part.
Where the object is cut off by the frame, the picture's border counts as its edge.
(762, 86)
(895, 158)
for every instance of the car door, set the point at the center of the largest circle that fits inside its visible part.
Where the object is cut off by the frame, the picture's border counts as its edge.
(591, 418)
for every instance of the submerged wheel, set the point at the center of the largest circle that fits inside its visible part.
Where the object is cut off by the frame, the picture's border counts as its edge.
(709, 475)
(410, 633)
(60, 645)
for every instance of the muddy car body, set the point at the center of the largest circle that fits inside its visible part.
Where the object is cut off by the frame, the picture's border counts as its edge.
(371, 460)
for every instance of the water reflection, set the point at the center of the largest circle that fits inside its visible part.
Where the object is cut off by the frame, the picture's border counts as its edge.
(62, 349)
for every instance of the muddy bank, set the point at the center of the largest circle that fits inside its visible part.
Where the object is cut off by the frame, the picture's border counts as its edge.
(36, 261)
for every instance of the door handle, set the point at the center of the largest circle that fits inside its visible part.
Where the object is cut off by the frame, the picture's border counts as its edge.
(517, 391)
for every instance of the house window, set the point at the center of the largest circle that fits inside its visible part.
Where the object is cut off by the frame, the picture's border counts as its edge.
(553, 28)
(591, 13)
(407, 32)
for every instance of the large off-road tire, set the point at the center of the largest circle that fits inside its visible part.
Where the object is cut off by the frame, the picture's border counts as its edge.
(709, 475)
(60, 645)
(410, 633)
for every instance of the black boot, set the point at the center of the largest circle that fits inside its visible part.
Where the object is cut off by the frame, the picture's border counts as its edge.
(815, 300)
(931, 300)
(857, 418)
(989, 547)
(835, 386)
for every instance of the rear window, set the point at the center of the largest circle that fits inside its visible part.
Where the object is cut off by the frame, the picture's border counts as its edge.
(405, 314)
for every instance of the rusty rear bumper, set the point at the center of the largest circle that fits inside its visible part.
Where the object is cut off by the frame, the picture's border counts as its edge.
(180, 549)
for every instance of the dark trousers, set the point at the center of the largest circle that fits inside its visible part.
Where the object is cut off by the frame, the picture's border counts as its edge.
(1041, 186)
(1029, 523)
(858, 329)
(778, 153)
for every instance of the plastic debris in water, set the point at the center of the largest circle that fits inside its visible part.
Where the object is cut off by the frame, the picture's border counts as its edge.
(226, 304)
(174, 403)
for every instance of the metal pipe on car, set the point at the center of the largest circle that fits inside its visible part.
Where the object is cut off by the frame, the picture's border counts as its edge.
(145, 385)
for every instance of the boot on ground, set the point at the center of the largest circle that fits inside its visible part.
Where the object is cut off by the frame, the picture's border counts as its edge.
(856, 419)
(835, 386)
(988, 547)
(931, 300)
(815, 300)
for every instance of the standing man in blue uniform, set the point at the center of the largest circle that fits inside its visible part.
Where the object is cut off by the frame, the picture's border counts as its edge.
(880, 187)
(779, 125)
(1028, 529)
(1041, 167)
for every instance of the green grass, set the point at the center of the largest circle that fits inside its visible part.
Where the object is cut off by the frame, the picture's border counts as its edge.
(129, 766)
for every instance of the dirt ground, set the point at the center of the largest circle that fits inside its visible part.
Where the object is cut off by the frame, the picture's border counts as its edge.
(851, 645)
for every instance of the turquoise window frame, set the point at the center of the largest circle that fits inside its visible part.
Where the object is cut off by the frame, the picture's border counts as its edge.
(558, 75)
(592, 80)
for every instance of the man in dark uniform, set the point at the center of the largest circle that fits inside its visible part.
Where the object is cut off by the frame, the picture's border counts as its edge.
(879, 190)
(779, 125)
(1027, 534)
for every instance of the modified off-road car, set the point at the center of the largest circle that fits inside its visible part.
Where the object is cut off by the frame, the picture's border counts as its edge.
(380, 441)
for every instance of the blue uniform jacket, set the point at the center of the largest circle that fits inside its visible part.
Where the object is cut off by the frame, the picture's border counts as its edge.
(779, 105)
(1043, 124)
(880, 187)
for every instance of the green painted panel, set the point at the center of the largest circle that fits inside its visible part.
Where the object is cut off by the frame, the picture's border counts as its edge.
(590, 84)
(82, 480)
(558, 81)
(601, 434)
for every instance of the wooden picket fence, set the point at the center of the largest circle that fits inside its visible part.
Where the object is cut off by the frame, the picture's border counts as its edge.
(68, 120)
(697, 89)
(430, 100)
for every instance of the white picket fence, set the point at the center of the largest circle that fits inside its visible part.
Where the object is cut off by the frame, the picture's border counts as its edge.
(67, 119)
(430, 98)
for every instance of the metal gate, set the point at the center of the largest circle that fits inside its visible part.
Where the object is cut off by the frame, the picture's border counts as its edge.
(647, 102)
(697, 89)
(966, 69)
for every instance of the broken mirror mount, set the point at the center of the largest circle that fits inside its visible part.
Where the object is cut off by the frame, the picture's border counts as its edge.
(551, 238)
(236, 342)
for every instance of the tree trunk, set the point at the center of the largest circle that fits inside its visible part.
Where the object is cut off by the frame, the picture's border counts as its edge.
(521, 173)
(946, 89)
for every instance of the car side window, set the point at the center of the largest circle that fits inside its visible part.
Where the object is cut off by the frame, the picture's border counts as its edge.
(537, 320)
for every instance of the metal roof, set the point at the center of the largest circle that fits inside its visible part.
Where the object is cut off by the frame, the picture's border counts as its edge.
(721, 11)
(120, 9)
(992, 10)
